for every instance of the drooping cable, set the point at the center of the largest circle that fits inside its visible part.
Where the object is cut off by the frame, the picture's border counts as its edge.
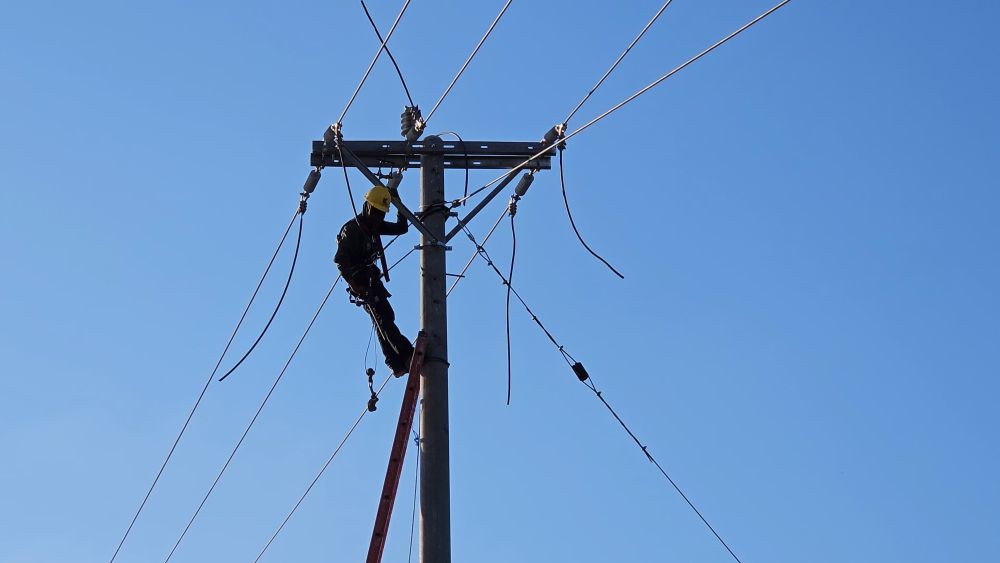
(347, 182)
(588, 382)
(621, 104)
(204, 388)
(288, 282)
(252, 420)
(512, 210)
(617, 62)
(562, 182)
(467, 61)
(372, 64)
(318, 475)
(388, 52)
(465, 150)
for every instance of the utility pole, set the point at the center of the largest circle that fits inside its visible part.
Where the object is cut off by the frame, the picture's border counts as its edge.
(433, 155)
(435, 493)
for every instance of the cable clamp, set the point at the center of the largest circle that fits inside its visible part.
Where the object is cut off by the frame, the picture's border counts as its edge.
(434, 244)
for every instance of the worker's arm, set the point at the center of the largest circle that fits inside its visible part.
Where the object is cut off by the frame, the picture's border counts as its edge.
(397, 228)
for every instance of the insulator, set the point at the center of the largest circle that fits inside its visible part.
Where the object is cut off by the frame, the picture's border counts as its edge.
(331, 133)
(311, 182)
(580, 371)
(553, 135)
(369, 372)
(523, 184)
(371, 404)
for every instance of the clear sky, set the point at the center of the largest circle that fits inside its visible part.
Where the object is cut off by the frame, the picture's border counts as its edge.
(806, 336)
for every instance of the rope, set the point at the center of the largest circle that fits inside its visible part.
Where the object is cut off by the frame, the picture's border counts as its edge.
(204, 388)
(562, 182)
(372, 65)
(387, 52)
(252, 421)
(617, 62)
(318, 475)
(288, 282)
(467, 61)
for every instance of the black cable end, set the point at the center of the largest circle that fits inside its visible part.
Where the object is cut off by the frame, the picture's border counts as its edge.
(580, 371)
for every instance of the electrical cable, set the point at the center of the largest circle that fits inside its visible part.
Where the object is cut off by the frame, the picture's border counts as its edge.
(318, 475)
(416, 488)
(204, 388)
(388, 52)
(288, 282)
(465, 150)
(467, 61)
(472, 258)
(642, 91)
(372, 65)
(617, 62)
(347, 182)
(570, 360)
(512, 208)
(562, 182)
(253, 420)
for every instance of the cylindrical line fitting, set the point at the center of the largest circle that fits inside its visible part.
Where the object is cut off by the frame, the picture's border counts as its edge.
(311, 181)
(523, 184)
(580, 371)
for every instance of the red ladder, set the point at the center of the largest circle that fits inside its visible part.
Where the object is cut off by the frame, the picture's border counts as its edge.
(398, 452)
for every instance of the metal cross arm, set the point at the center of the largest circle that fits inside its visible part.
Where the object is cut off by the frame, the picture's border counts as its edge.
(353, 160)
(400, 154)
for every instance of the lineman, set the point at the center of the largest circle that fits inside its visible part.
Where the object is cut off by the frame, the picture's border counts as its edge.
(358, 247)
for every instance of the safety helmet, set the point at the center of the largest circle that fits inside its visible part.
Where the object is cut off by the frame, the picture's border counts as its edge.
(379, 198)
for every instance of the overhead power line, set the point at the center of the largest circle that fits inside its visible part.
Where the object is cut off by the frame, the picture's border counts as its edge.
(587, 380)
(372, 64)
(253, 420)
(467, 61)
(322, 470)
(562, 183)
(204, 388)
(621, 104)
(617, 62)
(388, 52)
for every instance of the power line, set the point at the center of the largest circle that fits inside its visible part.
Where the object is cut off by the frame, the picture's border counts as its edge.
(481, 252)
(562, 182)
(388, 52)
(372, 65)
(630, 98)
(472, 258)
(252, 421)
(617, 62)
(288, 282)
(204, 388)
(512, 209)
(467, 61)
(318, 475)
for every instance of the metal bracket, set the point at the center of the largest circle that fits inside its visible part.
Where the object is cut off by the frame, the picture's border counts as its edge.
(437, 244)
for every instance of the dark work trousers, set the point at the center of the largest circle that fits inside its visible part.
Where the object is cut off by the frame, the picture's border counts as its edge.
(396, 347)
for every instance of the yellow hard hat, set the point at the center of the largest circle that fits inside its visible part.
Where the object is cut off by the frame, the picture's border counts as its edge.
(379, 198)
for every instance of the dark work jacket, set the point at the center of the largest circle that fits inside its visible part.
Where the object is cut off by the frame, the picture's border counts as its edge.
(357, 248)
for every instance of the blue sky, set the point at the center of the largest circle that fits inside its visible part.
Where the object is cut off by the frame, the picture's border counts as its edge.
(805, 338)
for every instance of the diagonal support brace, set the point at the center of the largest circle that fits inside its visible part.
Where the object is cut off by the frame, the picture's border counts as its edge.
(353, 159)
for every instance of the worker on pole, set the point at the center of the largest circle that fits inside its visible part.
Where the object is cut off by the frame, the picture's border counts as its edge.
(359, 246)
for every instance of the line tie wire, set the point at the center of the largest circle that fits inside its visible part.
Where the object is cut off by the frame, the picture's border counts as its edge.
(388, 52)
(618, 106)
(617, 62)
(372, 64)
(319, 474)
(204, 388)
(252, 420)
(467, 61)
(590, 384)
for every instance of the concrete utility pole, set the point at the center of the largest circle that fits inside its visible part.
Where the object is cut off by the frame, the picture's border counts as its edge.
(433, 156)
(435, 493)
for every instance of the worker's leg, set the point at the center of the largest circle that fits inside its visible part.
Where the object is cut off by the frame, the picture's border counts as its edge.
(396, 347)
